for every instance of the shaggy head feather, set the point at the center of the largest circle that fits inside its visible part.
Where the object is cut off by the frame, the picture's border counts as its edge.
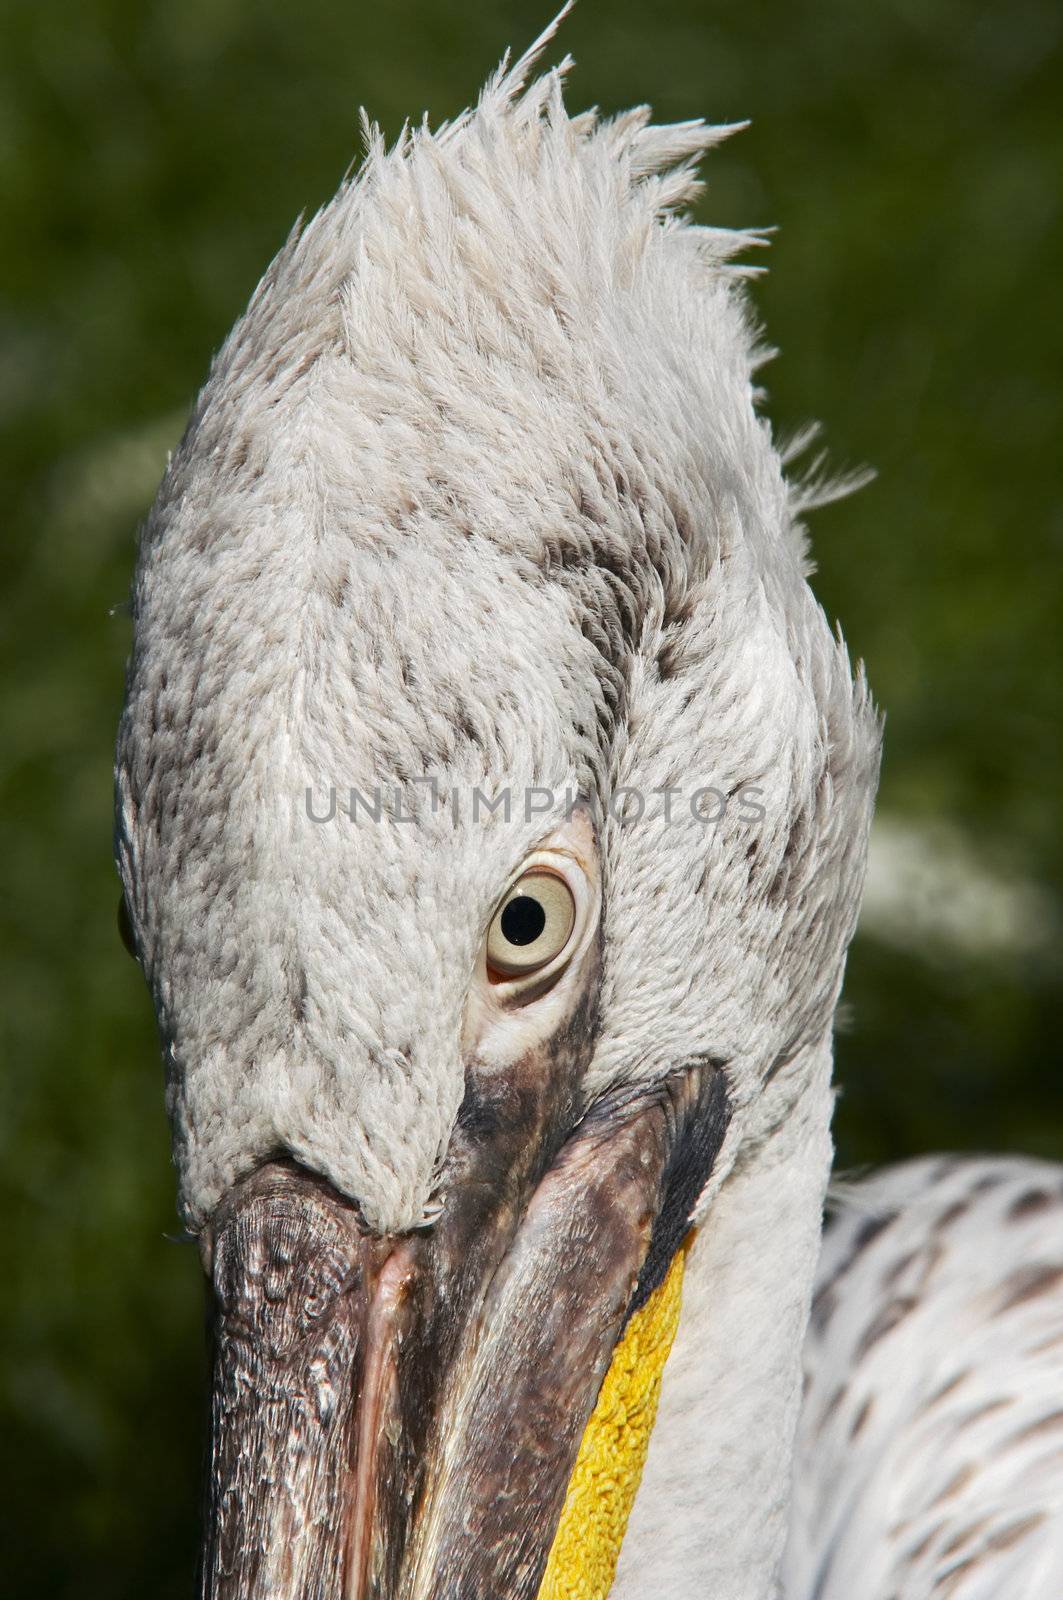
(477, 490)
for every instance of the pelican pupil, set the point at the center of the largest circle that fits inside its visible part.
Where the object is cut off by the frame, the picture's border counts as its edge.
(523, 920)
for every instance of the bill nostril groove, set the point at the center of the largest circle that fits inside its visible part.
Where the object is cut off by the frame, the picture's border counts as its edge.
(286, 1255)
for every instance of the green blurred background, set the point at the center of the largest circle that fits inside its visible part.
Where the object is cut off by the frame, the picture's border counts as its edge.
(152, 157)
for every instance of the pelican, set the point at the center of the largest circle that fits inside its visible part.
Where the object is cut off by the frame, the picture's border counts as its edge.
(492, 809)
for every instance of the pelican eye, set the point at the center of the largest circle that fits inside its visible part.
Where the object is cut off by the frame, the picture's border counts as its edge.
(125, 928)
(532, 926)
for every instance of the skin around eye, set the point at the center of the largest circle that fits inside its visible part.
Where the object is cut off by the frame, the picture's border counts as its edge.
(532, 925)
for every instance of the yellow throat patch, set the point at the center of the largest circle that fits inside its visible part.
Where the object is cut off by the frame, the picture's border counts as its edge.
(612, 1454)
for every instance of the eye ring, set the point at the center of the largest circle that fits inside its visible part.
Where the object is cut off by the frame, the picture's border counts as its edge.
(532, 926)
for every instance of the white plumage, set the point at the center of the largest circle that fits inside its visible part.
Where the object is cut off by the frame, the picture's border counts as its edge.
(929, 1452)
(477, 491)
(930, 1449)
